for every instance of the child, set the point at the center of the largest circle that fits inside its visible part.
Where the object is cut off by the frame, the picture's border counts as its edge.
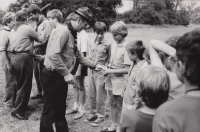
(98, 52)
(118, 68)
(153, 86)
(9, 23)
(181, 114)
(79, 87)
(156, 46)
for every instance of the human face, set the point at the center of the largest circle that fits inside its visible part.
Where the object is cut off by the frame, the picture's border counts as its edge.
(132, 57)
(117, 37)
(12, 23)
(178, 67)
(52, 21)
(34, 15)
(81, 24)
(99, 36)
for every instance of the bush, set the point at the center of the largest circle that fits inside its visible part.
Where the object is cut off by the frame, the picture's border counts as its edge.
(132, 16)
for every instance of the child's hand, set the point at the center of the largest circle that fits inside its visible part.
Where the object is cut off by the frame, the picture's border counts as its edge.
(101, 67)
(105, 72)
(39, 57)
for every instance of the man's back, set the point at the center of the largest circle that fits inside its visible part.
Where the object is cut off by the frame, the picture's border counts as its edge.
(179, 115)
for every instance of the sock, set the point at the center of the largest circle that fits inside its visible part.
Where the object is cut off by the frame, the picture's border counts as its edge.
(112, 127)
(76, 105)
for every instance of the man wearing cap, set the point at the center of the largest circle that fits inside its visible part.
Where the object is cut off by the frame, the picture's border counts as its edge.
(21, 47)
(43, 26)
(9, 23)
(59, 61)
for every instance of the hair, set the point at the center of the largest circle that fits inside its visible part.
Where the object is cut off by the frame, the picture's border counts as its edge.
(154, 86)
(119, 27)
(21, 15)
(8, 17)
(188, 52)
(34, 9)
(136, 47)
(32, 19)
(100, 27)
(55, 13)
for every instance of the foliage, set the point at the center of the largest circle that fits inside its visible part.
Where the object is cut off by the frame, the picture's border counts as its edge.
(156, 13)
(2, 13)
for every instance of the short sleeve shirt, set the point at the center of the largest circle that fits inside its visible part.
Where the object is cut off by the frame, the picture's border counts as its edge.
(82, 41)
(4, 37)
(98, 51)
(22, 40)
(119, 56)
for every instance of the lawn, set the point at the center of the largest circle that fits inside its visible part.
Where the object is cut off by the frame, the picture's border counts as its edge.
(135, 32)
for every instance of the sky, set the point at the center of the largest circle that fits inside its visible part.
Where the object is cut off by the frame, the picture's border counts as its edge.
(5, 3)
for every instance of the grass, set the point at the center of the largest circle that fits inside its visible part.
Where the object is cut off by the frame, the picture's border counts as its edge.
(136, 32)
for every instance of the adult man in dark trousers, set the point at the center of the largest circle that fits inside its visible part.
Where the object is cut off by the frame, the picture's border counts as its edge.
(43, 26)
(59, 61)
(21, 47)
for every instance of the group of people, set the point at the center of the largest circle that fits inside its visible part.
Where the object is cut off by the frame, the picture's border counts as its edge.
(151, 87)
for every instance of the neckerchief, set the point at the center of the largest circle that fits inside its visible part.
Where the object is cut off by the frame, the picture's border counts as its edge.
(7, 28)
(42, 18)
(18, 24)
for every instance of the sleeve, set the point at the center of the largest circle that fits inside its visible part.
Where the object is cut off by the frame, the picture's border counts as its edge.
(4, 41)
(127, 61)
(59, 42)
(32, 34)
(84, 42)
(85, 61)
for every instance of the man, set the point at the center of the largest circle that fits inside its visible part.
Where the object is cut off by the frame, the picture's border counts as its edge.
(9, 23)
(59, 62)
(21, 48)
(43, 26)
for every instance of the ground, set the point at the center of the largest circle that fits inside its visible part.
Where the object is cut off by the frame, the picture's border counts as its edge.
(135, 32)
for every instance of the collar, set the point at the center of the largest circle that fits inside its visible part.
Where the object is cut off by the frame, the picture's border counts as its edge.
(6, 28)
(123, 44)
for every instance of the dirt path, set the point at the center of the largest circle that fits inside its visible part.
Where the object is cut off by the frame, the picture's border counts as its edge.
(9, 124)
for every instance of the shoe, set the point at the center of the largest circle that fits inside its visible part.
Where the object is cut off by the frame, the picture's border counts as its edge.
(36, 96)
(18, 116)
(41, 101)
(90, 118)
(79, 115)
(71, 111)
(99, 121)
(106, 130)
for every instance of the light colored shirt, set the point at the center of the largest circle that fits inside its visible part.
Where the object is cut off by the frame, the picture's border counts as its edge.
(4, 37)
(129, 92)
(98, 51)
(22, 40)
(119, 56)
(82, 41)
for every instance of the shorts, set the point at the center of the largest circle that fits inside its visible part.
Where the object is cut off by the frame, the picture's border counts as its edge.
(116, 83)
(84, 70)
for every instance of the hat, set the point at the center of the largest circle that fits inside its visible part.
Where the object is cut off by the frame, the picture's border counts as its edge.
(86, 13)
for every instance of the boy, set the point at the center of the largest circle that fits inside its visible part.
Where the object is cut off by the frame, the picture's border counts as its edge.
(9, 23)
(43, 26)
(153, 86)
(182, 114)
(59, 61)
(98, 52)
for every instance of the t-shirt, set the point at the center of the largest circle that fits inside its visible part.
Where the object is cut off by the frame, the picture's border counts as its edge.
(179, 115)
(4, 37)
(22, 40)
(82, 41)
(136, 121)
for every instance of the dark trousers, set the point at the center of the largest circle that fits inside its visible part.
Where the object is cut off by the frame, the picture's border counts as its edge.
(23, 73)
(10, 85)
(55, 94)
(38, 66)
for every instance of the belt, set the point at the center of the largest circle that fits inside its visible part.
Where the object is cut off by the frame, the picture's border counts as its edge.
(20, 52)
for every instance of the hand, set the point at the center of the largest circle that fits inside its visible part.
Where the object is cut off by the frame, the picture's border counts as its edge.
(105, 72)
(101, 67)
(69, 79)
(39, 57)
(7, 65)
(78, 73)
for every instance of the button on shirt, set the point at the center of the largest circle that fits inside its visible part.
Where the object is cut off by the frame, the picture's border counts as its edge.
(98, 51)
(22, 40)
(119, 56)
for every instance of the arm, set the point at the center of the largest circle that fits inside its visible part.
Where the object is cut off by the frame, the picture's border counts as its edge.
(6, 61)
(78, 72)
(85, 61)
(117, 71)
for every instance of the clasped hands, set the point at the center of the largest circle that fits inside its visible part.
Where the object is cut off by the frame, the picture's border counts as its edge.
(103, 69)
